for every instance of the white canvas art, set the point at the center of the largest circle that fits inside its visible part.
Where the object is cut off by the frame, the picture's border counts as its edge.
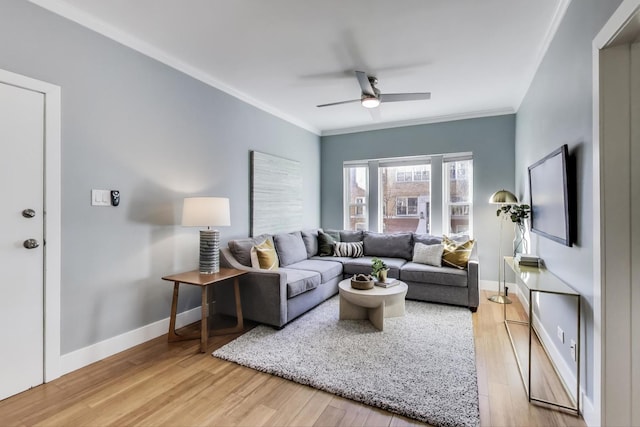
(276, 194)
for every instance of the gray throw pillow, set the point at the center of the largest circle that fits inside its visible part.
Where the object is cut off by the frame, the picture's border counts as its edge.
(428, 254)
(290, 248)
(396, 245)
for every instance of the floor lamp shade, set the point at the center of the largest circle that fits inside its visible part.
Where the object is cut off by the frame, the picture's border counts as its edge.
(207, 212)
(501, 197)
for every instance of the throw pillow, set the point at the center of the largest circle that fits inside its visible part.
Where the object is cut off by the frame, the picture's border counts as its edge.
(456, 254)
(265, 255)
(325, 244)
(349, 249)
(428, 254)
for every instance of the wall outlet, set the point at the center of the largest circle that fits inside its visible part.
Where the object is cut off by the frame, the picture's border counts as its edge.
(560, 335)
(573, 350)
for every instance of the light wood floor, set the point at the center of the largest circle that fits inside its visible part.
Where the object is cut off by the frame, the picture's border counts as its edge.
(157, 383)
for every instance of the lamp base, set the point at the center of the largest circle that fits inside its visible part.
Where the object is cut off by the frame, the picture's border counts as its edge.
(500, 299)
(209, 251)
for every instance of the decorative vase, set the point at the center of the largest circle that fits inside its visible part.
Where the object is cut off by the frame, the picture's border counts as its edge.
(520, 243)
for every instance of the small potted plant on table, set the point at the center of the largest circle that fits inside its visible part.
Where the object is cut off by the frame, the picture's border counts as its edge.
(379, 269)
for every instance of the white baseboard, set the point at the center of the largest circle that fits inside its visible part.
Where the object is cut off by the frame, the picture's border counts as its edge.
(492, 285)
(85, 356)
(589, 413)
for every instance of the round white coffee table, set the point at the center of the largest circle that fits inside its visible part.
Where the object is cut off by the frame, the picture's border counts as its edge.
(373, 304)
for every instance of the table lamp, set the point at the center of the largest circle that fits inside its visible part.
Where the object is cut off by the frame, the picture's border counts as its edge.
(207, 212)
(501, 197)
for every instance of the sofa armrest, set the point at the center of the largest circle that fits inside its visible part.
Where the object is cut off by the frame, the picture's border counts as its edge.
(472, 278)
(263, 292)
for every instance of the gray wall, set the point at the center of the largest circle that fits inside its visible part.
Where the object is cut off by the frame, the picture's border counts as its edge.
(491, 140)
(157, 135)
(558, 110)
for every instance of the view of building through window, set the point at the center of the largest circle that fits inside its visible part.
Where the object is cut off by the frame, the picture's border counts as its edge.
(404, 189)
(405, 198)
(458, 196)
(356, 192)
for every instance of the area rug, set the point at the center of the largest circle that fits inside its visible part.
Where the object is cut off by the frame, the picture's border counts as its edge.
(421, 366)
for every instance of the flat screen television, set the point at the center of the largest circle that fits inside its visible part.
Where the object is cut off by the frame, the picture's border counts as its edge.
(549, 189)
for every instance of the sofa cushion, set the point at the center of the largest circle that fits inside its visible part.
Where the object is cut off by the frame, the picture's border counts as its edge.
(348, 249)
(426, 239)
(327, 269)
(428, 254)
(290, 247)
(300, 281)
(310, 238)
(241, 248)
(456, 254)
(264, 256)
(326, 244)
(421, 273)
(351, 236)
(363, 266)
(397, 245)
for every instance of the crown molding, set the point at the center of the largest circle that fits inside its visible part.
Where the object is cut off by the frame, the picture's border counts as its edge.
(420, 121)
(101, 27)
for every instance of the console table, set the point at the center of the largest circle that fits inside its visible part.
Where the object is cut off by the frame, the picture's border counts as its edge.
(539, 279)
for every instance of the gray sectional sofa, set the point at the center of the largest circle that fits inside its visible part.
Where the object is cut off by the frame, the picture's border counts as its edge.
(305, 279)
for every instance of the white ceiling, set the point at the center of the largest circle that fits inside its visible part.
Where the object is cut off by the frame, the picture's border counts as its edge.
(477, 58)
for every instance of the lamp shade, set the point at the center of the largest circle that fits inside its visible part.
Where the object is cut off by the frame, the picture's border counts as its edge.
(502, 197)
(206, 212)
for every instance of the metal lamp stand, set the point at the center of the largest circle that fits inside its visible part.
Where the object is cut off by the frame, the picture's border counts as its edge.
(500, 299)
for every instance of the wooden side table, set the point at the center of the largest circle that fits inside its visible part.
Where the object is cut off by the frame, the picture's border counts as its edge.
(204, 281)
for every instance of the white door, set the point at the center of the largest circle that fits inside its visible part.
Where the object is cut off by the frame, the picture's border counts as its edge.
(21, 218)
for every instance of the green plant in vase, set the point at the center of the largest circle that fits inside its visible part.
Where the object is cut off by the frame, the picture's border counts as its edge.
(379, 269)
(517, 214)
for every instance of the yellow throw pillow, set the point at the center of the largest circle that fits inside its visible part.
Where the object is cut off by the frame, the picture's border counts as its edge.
(264, 256)
(456, 254)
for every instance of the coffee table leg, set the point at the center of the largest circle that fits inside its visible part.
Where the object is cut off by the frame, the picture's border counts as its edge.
(376, 316)
(350, 311)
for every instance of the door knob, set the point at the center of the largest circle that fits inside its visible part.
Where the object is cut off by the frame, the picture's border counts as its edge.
(30, 243)
(28, 213)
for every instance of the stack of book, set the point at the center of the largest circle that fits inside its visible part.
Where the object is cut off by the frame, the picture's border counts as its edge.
(528, 260)
(387, 283)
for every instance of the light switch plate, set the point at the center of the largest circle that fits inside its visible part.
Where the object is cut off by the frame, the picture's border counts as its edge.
(100, 198)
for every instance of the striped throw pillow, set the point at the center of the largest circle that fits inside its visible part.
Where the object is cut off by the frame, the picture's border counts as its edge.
(349, 249)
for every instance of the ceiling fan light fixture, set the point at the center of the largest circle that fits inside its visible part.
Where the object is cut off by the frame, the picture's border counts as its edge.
(369, 101)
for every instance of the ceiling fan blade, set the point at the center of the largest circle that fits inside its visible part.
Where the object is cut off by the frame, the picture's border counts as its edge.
(397, 97)
(365, 84)
(338, 103)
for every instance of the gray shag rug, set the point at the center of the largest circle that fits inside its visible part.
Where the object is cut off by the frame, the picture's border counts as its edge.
(421, 366)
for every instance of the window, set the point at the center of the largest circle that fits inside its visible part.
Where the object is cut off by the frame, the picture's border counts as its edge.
(356, 190)
(406, 206)
(402, 198)
(458, 196)
(404, 195)
(412, 173)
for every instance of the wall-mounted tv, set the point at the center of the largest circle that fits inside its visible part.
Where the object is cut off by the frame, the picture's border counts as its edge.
(549, 189)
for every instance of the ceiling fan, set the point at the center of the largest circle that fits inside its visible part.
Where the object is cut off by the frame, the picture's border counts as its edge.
(371, 96)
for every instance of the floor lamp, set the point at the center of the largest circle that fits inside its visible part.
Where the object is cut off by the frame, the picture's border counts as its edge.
(501, 197)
